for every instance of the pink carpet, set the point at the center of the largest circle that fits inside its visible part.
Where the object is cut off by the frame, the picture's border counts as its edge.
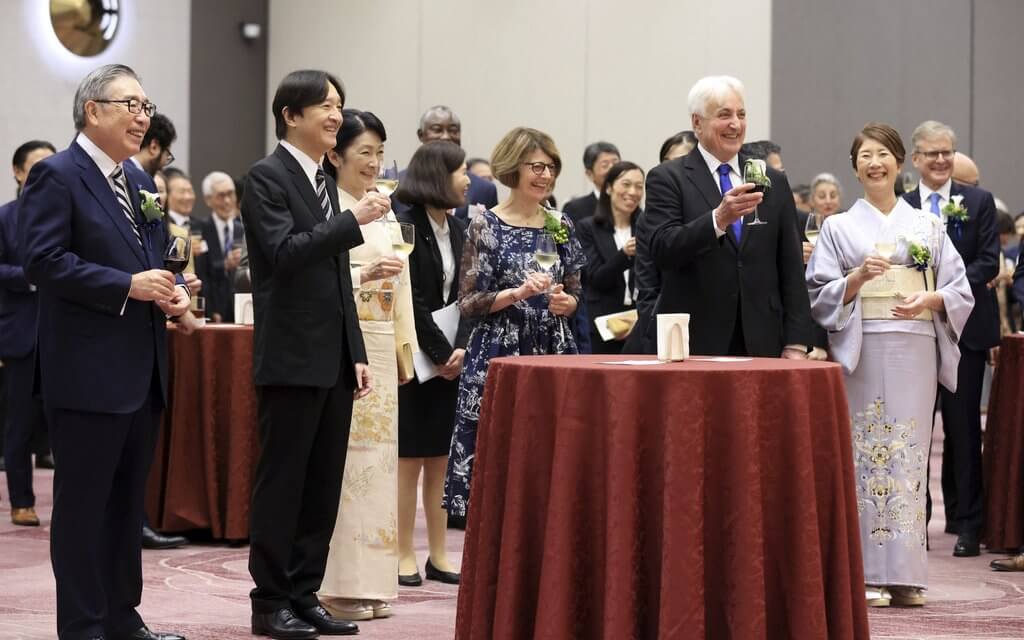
(202, 590)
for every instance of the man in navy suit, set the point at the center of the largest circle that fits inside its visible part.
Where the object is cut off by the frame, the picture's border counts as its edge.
(18, 310)
(440, 123)
(224, 238)
(598, 158)
(102, 351)
(976, 239)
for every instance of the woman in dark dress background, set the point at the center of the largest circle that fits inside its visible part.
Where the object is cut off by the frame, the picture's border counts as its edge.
(609, 243)
(435, 182)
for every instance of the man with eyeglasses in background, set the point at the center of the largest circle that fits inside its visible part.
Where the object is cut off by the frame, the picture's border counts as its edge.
(974, 235)
(155, 152)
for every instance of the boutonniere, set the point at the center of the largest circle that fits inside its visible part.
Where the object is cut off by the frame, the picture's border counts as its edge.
(955, 209)
(151, 209)
(554, 225)
(920, 254)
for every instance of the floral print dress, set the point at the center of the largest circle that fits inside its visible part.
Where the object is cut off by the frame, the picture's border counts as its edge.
(499, 256)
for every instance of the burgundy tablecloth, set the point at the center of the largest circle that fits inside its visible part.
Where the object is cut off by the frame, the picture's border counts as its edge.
(1003, 462)
(208, 446)
(690, 500)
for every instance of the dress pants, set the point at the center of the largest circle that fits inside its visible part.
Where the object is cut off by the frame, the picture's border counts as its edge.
(304, 441)
(961, 449)
(24, 420)
(95, 536)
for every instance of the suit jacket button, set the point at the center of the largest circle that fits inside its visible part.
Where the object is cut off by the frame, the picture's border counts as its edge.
(739, 264)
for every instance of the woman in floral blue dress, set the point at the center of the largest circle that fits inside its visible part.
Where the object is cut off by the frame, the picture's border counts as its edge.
(506, 292)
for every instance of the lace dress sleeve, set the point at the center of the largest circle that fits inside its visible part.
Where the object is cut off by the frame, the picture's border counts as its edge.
(477, 285)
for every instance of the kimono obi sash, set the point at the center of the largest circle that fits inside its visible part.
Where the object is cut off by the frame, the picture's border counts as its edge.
(880, 295)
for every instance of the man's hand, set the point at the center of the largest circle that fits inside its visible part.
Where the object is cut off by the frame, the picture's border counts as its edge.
(192, 281)
(177, 305)
(372, 206)
(789, 353)
(155, 284)
(187, 324)
(364, 385)
(232, 260)
(736, 203)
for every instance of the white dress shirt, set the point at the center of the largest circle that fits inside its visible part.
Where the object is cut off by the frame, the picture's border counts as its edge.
(622, 236)
(309, 165)
(926, 195)
(442, 233)
(221, 224)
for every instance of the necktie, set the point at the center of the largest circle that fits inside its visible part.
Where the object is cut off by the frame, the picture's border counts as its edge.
(726, 184)
(227, 238)
(121, 191)
(321, 193)
(935, 203)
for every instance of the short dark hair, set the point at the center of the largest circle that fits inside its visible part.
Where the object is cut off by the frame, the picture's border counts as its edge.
(769, 147)
(603, 211)
(754, 150)
(172, 173)
(298, 90)
(1004, 222)
(160, 129)
(428, 180)
(884, 135)
(21, 153)
(683, 136)
(472, 162)
(803, 191)
(353, 123)
(594, 149)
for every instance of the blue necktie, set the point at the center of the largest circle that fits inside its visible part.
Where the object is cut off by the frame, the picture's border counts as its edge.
(227, 238)
(935, 203)
(726, 184)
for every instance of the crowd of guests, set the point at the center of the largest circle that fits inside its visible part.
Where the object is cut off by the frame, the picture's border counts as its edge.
(350, 425)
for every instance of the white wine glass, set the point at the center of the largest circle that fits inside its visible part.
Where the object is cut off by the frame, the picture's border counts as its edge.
(813, 228)
(546, 255)
(387, 182)
(755, 171)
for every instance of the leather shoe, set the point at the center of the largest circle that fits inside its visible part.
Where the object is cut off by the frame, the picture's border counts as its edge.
(447, 577)
(1016, 563)
(282, 625)
(143, 633)
(153, 540)
(3, 467)
(412, 580)
(25, 517)
(966, 546)
(44, 461)
(327, 624)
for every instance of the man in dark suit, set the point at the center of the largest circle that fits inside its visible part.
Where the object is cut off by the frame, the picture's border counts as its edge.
(598, 158)
(223, 235)
(978, 243)
(742, 285)
(441, 123)
(308, 355)
(19, 309)
(102, 350)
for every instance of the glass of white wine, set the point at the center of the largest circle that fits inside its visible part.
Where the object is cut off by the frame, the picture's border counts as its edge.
(813, 228)
(546, 254)
(403, 238)
(387, 182)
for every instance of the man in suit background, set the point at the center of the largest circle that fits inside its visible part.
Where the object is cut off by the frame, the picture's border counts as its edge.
(598, 158)
(102, 344)
(975, 238)
(308, 355)
(19, 309)
(742, 285)
(155, 152)
(223, 235)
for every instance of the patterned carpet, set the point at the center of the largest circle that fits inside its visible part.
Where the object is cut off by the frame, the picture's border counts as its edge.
(202, 590)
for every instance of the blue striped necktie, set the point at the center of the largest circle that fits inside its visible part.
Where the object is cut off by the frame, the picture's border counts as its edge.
(321, 193)
(935, 203)
(121, 191)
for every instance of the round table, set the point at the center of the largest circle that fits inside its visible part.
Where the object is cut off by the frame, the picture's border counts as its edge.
(708, 498)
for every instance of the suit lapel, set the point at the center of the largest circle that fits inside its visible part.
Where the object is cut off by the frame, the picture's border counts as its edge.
(421, 219)
(301, 182)
(97, 184)
(913, 198)
(697, 172)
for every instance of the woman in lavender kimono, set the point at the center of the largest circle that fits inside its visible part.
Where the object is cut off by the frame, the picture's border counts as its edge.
(504, 291)
(893, 352)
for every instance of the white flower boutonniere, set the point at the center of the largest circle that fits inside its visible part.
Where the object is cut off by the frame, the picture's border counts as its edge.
(151, 209)
(955, 209)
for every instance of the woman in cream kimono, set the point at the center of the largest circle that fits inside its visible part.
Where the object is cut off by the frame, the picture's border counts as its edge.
(363, 561)
(893, 350)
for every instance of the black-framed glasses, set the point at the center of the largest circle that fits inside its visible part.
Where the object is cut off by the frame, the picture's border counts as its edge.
(539, 167)
(134, 106)
(946, 154)
(167, 158)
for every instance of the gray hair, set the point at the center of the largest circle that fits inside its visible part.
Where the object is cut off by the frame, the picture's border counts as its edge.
(438, 108)
(712, 89)
(94, 87)
(826, 178)
(213, 178)
(931, 129)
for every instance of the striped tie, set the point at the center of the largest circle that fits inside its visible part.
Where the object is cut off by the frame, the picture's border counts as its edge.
(121, 191)
(321, 193)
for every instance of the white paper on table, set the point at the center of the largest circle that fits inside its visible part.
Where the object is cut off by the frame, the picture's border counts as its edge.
(447, 320)
(634, 363)
(724, 359)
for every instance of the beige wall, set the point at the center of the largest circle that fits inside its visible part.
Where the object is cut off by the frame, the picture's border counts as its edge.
(582, 70)
(39, 76)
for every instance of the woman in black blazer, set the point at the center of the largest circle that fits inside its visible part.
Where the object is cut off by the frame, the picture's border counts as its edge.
(609, 242)
(435, 182)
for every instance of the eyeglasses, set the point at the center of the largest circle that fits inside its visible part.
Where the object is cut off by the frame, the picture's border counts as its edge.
(539, 167)
(134, 106)
(168, 157)
(946, 154)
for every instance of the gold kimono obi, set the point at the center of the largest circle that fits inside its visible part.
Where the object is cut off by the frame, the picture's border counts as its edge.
(880, 295)
(375, 301)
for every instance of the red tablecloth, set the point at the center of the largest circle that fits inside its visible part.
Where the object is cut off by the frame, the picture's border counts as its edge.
(206, 453)
(689, 500)
(1003, 462)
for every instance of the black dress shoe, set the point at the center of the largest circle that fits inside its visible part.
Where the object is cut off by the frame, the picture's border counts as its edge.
(143, 633)
(966, 546)
(3, 467)
(327, 624)
(282, 625)
(44, 461)
(412, 580)
(447, 577)
(153, 540)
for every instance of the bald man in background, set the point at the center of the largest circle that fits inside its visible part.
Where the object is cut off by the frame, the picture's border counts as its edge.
(965, 171)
